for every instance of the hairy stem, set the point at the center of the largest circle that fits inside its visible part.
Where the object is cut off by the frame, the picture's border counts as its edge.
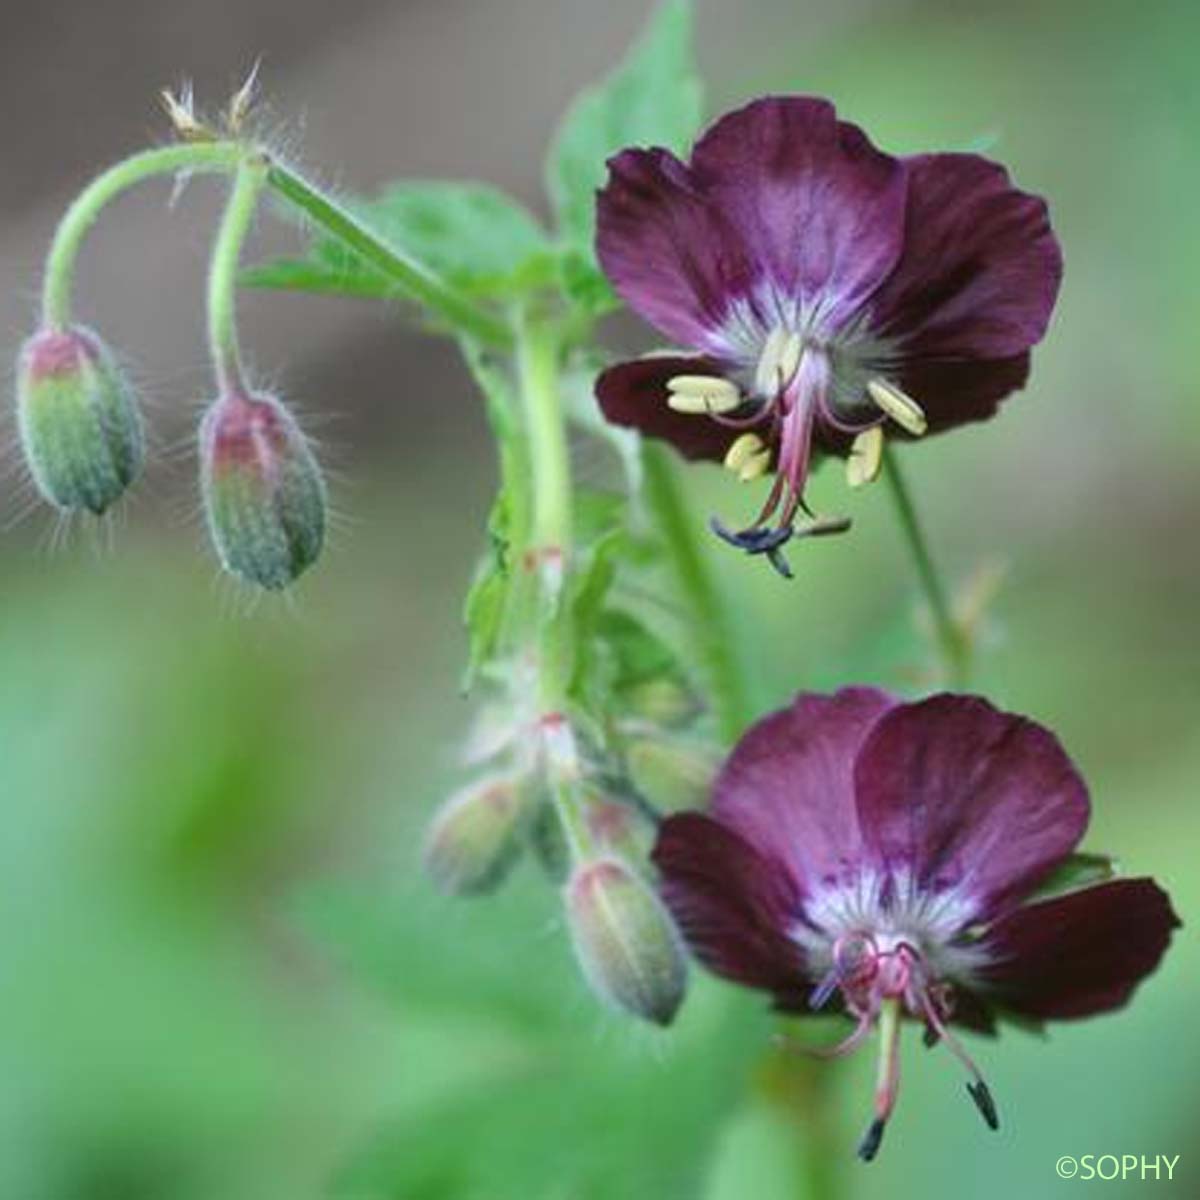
(223, 269)
(409, 275)
(954, 646)
(79, 218)
(712, 627)
(546, 557)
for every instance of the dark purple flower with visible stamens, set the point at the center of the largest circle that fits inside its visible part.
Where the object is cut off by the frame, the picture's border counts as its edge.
(828, 293)
(906, 860)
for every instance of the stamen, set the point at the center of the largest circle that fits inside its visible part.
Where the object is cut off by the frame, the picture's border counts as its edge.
(748, 458)
(742, 450)
(778, 362)
(848, 1044)
(866, 458)
(985, 1103)
(887, 1084)
(869, 1146)
(977, 1088)
(905, 411)
(698, 395)
(820, 995)
(755, 467)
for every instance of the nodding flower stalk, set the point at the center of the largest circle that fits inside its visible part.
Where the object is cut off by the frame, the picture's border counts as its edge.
(78, 415)
(249, 179)
(264, 496)
(220, 157)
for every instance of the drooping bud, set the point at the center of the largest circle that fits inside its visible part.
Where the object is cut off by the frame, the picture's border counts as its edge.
(475, 837)
(263, 492)
(624, 940)
(81, 431)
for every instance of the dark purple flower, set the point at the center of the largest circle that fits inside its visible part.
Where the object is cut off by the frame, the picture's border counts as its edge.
(889, 856)
(827, 292)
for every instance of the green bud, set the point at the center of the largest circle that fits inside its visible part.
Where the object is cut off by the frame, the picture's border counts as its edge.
(625, 941)
(80, 428)
(475, 837)
(675, 773)
(619, 828)
(661, 701)
(263, 492)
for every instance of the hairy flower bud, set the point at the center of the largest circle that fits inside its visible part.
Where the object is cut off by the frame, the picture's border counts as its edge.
(263, 492)
(675, 773)
(475, 837)
(80, 428)
(619, 827)
(626, 943)
(662, 701)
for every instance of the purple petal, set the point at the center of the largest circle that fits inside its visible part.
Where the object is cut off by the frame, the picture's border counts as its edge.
(956, 392)
(821, 210)
(788, 786)
(671, 254)
(950, 393)
(980, 270)
(634, 394)
(959, 795)
(733, 905)
(1079, 954)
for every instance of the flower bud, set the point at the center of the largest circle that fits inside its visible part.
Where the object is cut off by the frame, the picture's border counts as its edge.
(475, 837)
(661, 701)
(674, 773)
(626, 944)
(619, 828)
(263, 492)
(80, 428)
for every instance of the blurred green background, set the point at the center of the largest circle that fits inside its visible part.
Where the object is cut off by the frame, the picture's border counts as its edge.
(223, 975)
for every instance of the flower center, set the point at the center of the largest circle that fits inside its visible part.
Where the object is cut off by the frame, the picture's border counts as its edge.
(796, 386)
(882, 977)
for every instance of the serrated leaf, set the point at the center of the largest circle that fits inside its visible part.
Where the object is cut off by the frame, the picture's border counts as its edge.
(473, 236)
(652, 99)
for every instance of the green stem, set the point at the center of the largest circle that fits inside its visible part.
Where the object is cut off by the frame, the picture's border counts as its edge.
(954, 646)
(537, 366)
(546, 555)
(223, 271)
(407, 273)
(79, 218)
(711, 624)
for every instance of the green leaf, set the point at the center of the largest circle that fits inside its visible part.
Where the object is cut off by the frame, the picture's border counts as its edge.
(1078, 871)
(484, 607)
(477, 239)
(652, 99)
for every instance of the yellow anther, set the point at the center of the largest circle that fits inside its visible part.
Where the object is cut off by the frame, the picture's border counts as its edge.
(905, 411)
(699, 394)
(742, 450)
(755, 467)
(778, 362)
(866, 458)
